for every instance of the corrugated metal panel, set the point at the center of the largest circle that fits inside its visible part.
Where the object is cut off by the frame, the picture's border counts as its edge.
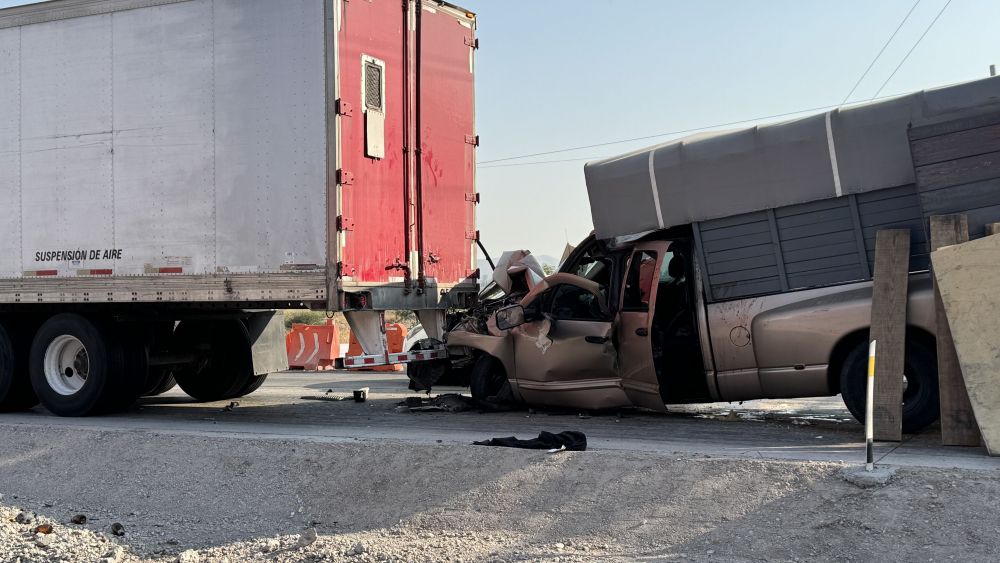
(896, 208)
(819, 243)
(740, 256)
(957, 170)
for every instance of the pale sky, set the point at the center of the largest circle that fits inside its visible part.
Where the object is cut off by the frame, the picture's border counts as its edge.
(562, 73)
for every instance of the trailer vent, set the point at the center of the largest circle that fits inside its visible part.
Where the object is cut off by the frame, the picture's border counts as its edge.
(373, 86)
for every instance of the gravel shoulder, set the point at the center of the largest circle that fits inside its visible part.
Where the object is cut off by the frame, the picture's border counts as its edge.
(204, 498)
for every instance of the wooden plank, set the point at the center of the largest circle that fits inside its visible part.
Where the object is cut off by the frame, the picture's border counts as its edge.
(992, 229)
(958, 422)
(959, 171)
(967, 276)
(888, 326)
(925, 131)
(956, 145)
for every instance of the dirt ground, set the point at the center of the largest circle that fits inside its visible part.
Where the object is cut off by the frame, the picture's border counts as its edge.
(191, 482)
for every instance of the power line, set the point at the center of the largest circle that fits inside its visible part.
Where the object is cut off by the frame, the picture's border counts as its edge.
(654, 136)
(540, 162)
(908, 53)
(882, 50)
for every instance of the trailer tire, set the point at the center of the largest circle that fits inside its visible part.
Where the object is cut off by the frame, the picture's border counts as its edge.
(225, 366)
(921, 406)
(252, 385)
(77, 367)
(165, 382)
(488, 381)
(16, 393)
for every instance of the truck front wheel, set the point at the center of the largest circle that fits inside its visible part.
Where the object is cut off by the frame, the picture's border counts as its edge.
(78, 367)
(488, 381)
(920, 386)
(223, 368)
(15, 386)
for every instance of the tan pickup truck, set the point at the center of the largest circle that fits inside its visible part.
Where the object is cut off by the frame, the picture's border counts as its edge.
(738, 265)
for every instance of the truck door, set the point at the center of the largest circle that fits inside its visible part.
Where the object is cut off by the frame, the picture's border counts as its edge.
(635, 324)
(373, 215)
(566, 355)
(445, 124)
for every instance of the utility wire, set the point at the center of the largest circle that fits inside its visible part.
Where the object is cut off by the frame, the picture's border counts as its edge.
(908, 53)
(882, 50)
(654, 136)
(496, 163)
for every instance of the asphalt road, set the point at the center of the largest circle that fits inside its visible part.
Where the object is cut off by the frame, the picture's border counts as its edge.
(809, 429)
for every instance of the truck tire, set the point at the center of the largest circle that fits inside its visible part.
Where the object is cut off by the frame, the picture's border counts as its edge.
(16, 393)
(164, 382)
(488, 381)
(225, 366)
(920, 396)
(77, 367)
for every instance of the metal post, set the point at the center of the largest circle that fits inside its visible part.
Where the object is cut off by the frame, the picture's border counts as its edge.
(869, 410)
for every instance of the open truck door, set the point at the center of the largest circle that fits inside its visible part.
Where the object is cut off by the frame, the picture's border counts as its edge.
(565, 353)
(635, 322)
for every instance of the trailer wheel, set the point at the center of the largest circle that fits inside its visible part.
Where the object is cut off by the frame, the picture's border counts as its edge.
(16, 392)
(224, 367)
(252, 385)
(164, 382)
(77, 367)
(920, 392)
(488, 381)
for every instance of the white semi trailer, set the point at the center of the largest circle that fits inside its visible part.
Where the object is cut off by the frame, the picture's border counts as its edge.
(174, 171)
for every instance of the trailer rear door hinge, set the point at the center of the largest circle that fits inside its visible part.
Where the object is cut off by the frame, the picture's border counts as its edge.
(472, 140)
(345, 223)
(344, 108)
(472, 235)
(472, 42)
(472, 197)
(344, 178)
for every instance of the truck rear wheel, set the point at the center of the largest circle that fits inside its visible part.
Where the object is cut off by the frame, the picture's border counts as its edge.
(78, 367)
(16, 392)
(224, 367)
(920, 392)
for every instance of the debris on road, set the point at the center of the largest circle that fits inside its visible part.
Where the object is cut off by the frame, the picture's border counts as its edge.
(570, 440)
(232, 405)
(361, 395)
(42, 529)
(327, 399)
(450, 402)
(79, 519)
(117, 529)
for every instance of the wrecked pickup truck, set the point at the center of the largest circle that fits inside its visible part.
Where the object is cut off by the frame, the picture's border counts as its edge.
(738, 265)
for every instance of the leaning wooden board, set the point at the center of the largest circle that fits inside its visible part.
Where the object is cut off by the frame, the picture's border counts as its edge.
(968, 278)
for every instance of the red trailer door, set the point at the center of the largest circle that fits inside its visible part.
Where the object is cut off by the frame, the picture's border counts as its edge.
(446, 125)
(372, 225)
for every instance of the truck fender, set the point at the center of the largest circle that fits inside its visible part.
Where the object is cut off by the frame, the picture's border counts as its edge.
(500, 347)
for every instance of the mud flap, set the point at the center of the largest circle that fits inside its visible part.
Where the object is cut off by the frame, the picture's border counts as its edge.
(267, 341)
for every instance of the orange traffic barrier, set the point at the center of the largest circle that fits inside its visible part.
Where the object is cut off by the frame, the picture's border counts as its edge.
(395, 334)
(313, 347)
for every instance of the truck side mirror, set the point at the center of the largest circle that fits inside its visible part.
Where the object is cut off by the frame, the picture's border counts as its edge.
(510, 317)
